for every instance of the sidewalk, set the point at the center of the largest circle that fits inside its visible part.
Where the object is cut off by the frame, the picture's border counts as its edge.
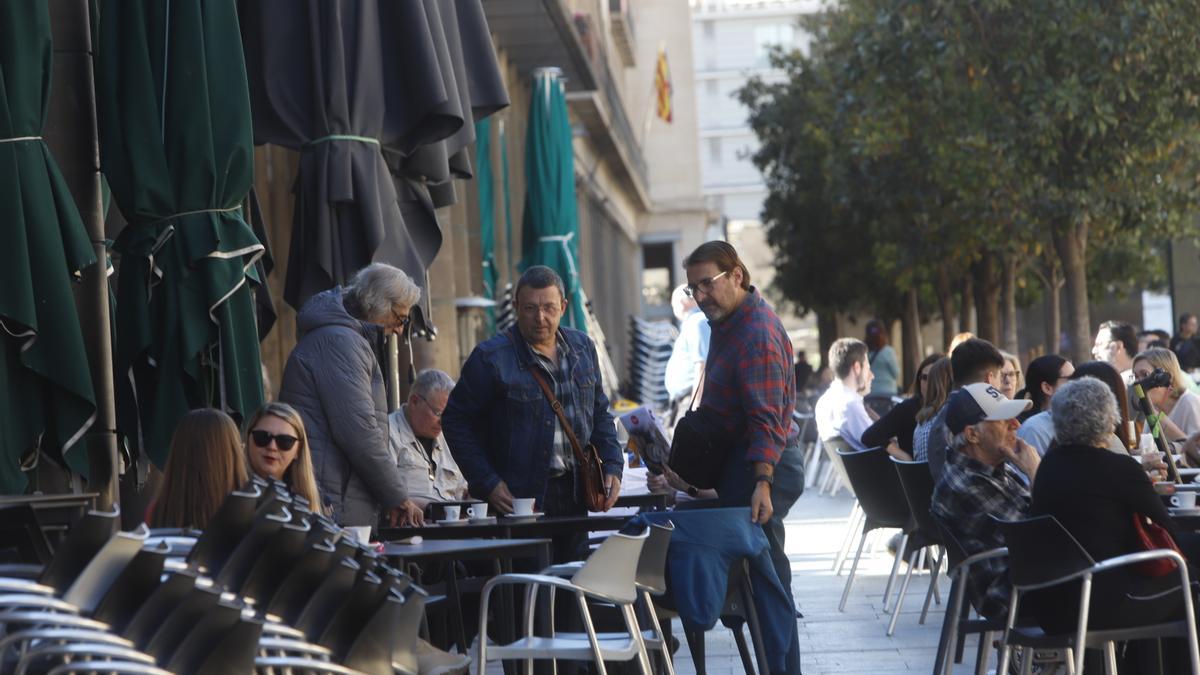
(853, 642)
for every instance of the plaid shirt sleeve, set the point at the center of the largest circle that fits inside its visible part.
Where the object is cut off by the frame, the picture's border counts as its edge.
(765, 397)
(964, 502)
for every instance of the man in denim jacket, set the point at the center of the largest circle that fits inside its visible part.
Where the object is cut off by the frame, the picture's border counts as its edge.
(499, 425)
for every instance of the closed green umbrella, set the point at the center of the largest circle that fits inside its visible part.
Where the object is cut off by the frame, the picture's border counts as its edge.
(550, 227)
(46, 395)
(175, 146)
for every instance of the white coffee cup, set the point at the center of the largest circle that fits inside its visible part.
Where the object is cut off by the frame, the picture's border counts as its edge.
(1184, 500)
(452, 511)
(523, 506)
(478, 511)
(361, 532)
(1146, 443)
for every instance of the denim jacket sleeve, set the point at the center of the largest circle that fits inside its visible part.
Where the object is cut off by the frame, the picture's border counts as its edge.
(604, 430)
(464, 423)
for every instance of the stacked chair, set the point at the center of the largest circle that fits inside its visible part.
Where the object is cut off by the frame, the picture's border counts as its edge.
(269, 586)
(650, 347)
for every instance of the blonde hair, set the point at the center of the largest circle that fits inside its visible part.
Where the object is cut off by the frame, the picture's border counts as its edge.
(205, 464)
(1016, 364)
(1165, 359)
(958, 340)
(299, 475)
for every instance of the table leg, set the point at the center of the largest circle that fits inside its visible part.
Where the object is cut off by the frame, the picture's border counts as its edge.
(455, 597)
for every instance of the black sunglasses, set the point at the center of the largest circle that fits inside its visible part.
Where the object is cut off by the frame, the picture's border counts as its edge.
(263, 438)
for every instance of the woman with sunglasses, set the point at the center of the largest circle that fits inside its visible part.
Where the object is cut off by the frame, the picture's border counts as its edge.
(277, 448)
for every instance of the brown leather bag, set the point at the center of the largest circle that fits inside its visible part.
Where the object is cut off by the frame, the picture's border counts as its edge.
(587, 459)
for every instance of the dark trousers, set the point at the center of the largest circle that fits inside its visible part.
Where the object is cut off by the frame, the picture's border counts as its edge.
(737, 486)
(561, 500)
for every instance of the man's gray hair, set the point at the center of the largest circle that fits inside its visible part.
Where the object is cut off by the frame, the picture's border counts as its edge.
(1084, 413)
(377, 289)
(959, 440)
(431, 381)
(539, 276)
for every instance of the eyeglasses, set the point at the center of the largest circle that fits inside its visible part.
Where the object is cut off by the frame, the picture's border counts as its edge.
(262, 438)
(401, 321)
(704, 286)
(1008, 375)
(436, 413)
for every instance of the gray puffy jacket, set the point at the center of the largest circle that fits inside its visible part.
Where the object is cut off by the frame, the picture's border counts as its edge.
(333, 378)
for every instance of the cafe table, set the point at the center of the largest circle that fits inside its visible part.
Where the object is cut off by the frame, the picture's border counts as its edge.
(449, 551)
(509, 527)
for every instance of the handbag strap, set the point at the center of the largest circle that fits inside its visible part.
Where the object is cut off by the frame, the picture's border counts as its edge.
(697, 389)
(562, 417)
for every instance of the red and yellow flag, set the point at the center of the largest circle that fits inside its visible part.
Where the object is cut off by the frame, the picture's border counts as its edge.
(662, 86)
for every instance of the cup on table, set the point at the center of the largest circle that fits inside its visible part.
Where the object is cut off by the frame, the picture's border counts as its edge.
(523, 506)
(1146, 443)
(1184, 500)
(477, 511)
(452, 511)
(361, 532)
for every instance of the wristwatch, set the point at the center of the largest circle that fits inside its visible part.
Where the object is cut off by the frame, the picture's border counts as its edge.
(693, 490)
(767, 478)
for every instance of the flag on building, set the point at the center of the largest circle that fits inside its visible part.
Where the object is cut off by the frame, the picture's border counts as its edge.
(662, 86)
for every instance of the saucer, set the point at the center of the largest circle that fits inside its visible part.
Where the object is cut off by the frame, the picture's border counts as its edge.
(482, 521)
(527, 516)
(1177, 511)
(460, 521)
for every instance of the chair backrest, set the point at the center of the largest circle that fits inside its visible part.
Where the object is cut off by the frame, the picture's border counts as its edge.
(83, 541)
(408, 628)
(652, 566)
(917, 484)
(877, 487)
(241, 560)
(151, 614)
(102, 571)
(281, 552)
(225, 530)
(1040, 549)
(21, 537)
(306, 574)
(325, 598)
(131, 588)
(612, 568)
(955, 552)
(834, 448)
(182, 620)
(371, 647)
(220, 641)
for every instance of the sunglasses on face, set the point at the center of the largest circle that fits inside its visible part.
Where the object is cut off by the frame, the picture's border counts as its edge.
(263, 438)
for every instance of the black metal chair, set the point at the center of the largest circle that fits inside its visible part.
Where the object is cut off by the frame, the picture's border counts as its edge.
(957, 624)
(131, 589)
(917, 484)
(224, 532)
(22, 541)
(83, 541)
(877, 487)
(1043, 554)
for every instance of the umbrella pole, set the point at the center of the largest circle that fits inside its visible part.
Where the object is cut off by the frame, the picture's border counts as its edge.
(102, 438)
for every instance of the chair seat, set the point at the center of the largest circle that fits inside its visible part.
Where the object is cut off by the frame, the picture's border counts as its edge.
(1032, 636)
(570, 648)
(648, 636)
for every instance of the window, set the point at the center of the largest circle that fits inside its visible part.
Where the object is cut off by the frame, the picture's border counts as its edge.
(711, 88)
(714, 150)
(772, 35)
(658, 274)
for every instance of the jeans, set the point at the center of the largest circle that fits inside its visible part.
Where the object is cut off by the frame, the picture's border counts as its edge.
(561, 500)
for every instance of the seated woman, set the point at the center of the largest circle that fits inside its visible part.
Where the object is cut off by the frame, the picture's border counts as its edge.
(277, 448)
(894, 430)
(1044, 375)
(1122, 439)
(1180, 405)
(936, 388)
(1095, 494)
(205, 464)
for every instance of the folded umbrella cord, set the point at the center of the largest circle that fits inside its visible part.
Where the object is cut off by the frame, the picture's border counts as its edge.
(342, 137)
(20, 139)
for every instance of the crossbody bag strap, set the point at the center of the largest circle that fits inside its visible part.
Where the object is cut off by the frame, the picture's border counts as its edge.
(698, 389)
(562, 417)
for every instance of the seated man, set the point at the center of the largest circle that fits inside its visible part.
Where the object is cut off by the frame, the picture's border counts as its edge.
(977, 483)
(840, 412)
(429, 471)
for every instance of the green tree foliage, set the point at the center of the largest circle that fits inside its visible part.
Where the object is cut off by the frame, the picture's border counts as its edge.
(919, 140)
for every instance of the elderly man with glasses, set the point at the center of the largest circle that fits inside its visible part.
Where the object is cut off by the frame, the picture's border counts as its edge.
(334, 380)
(430, 472)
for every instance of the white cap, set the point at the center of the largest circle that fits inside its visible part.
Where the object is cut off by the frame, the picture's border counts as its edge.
(981, 402)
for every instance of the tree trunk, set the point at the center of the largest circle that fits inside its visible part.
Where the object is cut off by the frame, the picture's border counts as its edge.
(1070, 242)
(910, 324)
(827, 332)
(1053, 282)
(967, 323)
(987, 299)
(1008, 299)
(945, 298)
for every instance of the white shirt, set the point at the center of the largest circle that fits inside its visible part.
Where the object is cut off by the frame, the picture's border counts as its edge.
(443, 481)
(1186, 413)
(690, 350)
(840, 412)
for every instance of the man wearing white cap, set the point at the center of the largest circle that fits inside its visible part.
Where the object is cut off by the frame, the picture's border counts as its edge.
(978, 482)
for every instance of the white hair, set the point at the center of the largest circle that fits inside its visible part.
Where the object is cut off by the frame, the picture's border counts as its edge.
(379, 288)
(431, 381)
(1084, 412)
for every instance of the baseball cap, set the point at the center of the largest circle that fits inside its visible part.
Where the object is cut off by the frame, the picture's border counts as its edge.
(980, 402)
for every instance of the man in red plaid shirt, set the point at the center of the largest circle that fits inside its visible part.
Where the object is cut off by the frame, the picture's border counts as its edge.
(749, 381)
